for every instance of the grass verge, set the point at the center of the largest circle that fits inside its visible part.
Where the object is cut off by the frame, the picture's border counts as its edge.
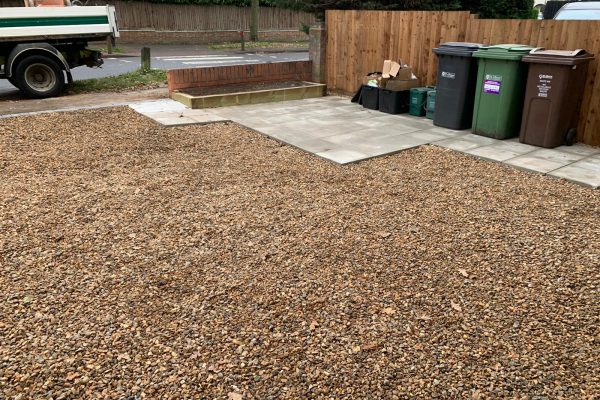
(138, 79)
(258, 45)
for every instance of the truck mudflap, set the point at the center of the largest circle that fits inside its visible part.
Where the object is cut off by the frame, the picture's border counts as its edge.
(23, 49)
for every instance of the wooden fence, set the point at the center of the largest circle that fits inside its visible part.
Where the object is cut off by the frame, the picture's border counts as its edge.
(359, 41)
(137, 15)
(185, 17)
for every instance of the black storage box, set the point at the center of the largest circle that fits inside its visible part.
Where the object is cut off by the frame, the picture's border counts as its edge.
(394, 102)
(370, 97)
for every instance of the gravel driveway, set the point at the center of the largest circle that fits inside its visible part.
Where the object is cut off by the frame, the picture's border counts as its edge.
(138, 261)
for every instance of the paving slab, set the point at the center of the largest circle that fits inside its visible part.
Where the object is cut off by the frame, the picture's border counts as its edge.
(337, 130)
(501, 150)
(177, 120)
(531, 163)
(342, 156)
(465, 142)
(577, 174)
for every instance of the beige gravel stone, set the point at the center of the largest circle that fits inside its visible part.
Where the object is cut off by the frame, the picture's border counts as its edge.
(138, 261)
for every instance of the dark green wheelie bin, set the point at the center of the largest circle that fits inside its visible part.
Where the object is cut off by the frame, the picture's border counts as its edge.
(501, 78)
(456, 81)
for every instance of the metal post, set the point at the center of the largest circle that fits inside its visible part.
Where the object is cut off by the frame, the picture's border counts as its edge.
(242, 40)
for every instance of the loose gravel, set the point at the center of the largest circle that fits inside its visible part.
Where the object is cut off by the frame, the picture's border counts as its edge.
(209, 262)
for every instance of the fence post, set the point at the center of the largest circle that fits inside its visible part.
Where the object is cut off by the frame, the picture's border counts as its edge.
(317, 52)
(146, 65)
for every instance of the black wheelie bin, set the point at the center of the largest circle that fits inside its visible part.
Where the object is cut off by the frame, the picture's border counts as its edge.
(456, 83)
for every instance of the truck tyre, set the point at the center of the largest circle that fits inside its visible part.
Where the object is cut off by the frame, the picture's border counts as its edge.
(39, 77)
(13, 82)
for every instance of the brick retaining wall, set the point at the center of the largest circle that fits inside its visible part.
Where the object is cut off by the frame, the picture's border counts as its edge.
(186, 78)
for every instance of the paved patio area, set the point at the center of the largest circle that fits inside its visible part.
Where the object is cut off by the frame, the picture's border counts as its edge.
(343, 132)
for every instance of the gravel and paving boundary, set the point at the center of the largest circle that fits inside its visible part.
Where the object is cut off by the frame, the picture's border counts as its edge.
(210, 262)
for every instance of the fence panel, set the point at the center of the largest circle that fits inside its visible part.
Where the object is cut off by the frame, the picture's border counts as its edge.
(358, 42)
(185, 17)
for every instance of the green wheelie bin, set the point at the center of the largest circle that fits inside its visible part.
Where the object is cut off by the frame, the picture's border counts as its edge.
(501, 78)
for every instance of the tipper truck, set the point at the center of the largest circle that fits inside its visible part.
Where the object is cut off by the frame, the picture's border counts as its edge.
(40, 45)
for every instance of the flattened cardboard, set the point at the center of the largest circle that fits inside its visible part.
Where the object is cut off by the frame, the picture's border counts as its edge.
(395, 69)
(387, 66)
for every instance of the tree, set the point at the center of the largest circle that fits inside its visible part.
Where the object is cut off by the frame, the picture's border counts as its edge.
(485, 8)
(518, 9)
(254, 10)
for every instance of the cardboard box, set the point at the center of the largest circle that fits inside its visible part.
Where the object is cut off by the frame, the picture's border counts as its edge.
(394, 76)
(405, 74)
(401, 84)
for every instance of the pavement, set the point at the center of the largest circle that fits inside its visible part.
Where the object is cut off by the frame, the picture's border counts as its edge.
(335, 129)
(170, 57)
(15, 107)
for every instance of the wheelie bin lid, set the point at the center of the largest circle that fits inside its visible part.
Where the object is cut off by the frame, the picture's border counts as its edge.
(503, 52)
(464, 49)
(562, 57)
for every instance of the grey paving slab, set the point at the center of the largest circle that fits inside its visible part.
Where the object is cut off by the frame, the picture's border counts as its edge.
(580, 149)
(556, 155)
(342, 156)
(338, 130)
(315, 145)
(205, 119)
(447, 133)
(492, 153)
(535, 164)
(172, 121)
(465, 142)
(501, 150)
(153, 106)
(589, 163)
(579, 175)
(427, 135)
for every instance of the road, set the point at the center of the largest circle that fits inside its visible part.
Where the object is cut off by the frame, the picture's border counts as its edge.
(119, 65)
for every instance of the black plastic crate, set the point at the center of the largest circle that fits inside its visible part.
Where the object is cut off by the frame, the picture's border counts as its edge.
(394, 102)
(370, 97)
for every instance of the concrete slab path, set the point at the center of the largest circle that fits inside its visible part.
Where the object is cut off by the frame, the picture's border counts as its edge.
(343, 132)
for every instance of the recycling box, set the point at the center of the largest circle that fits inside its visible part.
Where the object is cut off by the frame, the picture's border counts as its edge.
(501, 78)
(418, 100)
(456, 82)
(430, 106)
(553, 96)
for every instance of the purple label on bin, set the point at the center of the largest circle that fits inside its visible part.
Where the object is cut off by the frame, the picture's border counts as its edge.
(491, 87)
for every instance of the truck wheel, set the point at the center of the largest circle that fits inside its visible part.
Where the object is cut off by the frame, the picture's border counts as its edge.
(39, 77)
(13, 82)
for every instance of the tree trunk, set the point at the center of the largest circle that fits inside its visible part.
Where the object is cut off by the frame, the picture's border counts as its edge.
(254, 20)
